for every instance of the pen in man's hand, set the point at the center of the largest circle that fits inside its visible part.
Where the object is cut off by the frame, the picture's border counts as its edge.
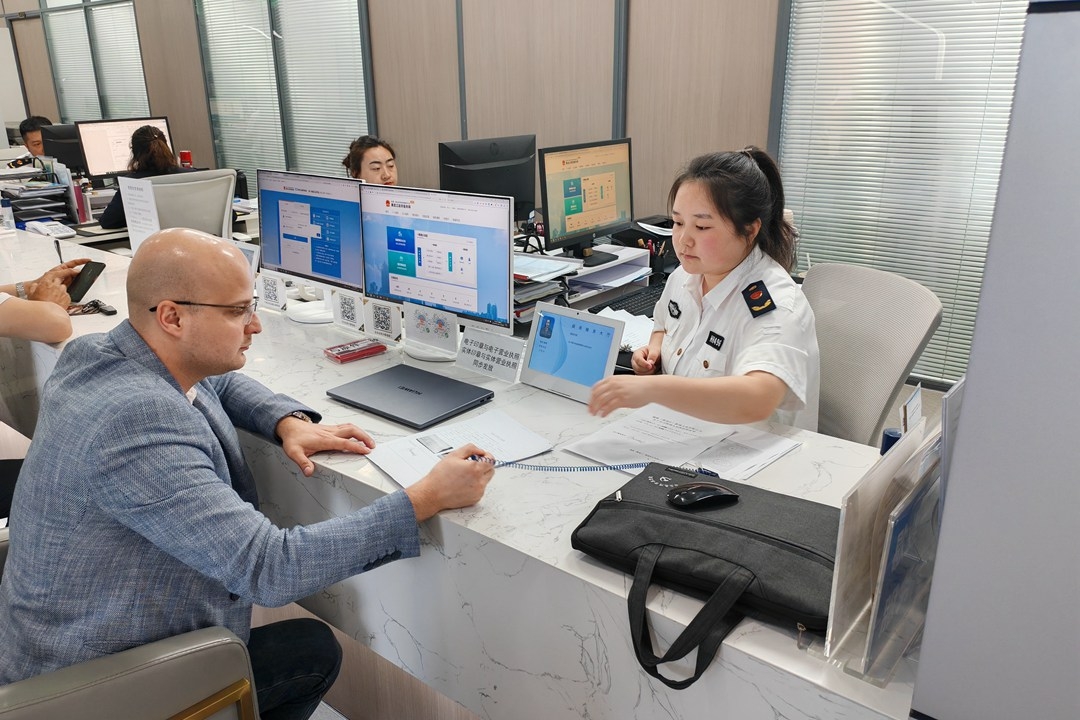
(56, 244)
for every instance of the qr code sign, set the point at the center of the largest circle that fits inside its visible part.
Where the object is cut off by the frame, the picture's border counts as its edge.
(380, 318)
(271, 291)
(348, 309)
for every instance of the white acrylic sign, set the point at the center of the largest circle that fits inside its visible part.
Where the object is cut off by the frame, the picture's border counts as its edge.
(140, 209)
(496, 355)
(431, 327)
(383, 319)
(271, 291)
(348, 308)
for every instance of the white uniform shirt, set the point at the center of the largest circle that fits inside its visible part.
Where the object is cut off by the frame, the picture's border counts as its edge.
(719, 335)
(4, 296)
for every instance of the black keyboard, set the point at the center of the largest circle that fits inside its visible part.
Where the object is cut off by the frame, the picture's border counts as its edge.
(639, 302)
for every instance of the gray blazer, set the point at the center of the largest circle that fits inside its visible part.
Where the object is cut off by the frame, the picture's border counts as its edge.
(135, 517)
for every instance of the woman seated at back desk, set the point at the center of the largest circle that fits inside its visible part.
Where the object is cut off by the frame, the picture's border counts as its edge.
(150, 156)
(371, 160)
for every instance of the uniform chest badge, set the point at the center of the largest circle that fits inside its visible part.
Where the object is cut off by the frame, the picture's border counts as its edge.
(715, 341)
(758, 299)
(673, 309)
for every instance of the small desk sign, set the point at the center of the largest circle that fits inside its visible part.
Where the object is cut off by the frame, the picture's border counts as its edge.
(140, 209)
(271, 291)
(489, 354)
(912, 408)
(348, 308)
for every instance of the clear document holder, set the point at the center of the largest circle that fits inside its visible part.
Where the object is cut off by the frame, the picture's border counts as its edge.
(885, 594)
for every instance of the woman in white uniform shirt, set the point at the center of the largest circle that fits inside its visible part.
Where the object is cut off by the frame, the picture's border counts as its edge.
(734, 339)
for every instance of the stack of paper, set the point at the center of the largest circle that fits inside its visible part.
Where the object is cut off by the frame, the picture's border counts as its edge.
(658, 434)
(637, 329)
(532, 267)
(609, 278)
(743, 453)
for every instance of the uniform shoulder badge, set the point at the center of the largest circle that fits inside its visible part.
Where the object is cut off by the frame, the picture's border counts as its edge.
(758, 299)
(673, 309)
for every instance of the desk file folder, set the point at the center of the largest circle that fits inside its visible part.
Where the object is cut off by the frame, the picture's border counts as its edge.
(411, 396)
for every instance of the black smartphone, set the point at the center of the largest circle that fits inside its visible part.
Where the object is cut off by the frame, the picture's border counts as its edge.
(84, 280)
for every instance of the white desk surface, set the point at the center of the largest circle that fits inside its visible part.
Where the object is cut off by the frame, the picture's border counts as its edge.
(499, 612)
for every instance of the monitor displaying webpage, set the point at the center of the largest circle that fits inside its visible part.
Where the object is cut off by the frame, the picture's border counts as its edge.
(106, 144)
(587, 188)
(450, 251)
(309, 227)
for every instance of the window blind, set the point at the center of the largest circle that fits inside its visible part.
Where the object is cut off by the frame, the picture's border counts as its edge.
(892, 135)
(115, 40)
(322, 74)
(241, 83)
(72, 65)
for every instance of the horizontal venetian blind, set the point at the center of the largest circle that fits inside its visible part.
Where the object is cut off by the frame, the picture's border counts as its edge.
(322, 74)
(72, 65)
(119, 60)
(238, 59)
(892, 135)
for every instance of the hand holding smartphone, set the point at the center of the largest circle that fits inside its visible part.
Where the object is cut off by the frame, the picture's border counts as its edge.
(84, 280)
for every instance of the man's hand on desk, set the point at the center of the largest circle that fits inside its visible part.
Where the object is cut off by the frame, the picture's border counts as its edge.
(300, 439)
(455, 482)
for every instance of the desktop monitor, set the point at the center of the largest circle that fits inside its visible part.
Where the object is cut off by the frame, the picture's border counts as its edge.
(445, 250)
(62, 143)
(309, 229)
(586, 193)
(106, 144)
(492, 166)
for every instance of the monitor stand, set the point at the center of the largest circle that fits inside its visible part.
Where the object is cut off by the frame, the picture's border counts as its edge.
(315, 312)
(591, 256)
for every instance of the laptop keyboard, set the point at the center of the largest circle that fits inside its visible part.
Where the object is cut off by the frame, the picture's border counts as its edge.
(639, 302)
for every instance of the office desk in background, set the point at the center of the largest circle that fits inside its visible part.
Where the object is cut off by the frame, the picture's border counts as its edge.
(499, 612)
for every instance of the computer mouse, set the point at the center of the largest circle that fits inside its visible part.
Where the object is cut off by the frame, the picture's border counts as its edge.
(700, 494)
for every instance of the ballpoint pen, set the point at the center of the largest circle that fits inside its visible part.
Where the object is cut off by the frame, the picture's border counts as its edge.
(56, 244)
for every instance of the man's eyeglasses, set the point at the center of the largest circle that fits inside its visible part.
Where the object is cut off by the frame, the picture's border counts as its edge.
(245, 312)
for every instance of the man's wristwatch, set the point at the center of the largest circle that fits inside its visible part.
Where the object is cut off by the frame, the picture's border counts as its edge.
(300, 414)
(20, 290)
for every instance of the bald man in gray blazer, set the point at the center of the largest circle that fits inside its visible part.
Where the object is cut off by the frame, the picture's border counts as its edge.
(135, 516)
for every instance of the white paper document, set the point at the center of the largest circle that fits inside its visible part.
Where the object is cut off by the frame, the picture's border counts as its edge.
(140, 210)
(637, 329)
(653, 433)
(744, 452)
(408, 459)
(609, 278)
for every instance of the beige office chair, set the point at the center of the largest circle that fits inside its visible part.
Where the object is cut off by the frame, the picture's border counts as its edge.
(201, 674)
(872, 327)
(201, 200)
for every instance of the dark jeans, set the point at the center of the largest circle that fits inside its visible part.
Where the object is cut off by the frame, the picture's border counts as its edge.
(295, 662)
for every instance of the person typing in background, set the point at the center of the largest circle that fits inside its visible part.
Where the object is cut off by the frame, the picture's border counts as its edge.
(37, 309)
(150, 156)
(734, 338)
(135, 515)
(371, 160)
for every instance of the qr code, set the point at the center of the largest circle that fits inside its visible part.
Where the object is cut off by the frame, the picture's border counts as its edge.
(380, 317)
(270, 295)
(347, 304)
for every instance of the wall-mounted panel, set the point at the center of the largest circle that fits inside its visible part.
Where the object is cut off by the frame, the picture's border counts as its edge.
(172, 65)
(414, 60)
(699, 79)
(539, 67)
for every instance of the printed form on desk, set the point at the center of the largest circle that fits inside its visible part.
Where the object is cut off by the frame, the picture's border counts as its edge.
(658, 434)
(637, 329)
(408, 459)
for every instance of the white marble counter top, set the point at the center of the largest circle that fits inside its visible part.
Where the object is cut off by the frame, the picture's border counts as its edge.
(499, 612)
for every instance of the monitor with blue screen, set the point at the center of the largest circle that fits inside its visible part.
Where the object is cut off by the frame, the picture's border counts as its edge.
(445, 250)
(309, 228)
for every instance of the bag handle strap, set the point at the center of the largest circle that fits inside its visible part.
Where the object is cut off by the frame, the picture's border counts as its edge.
(705, 632)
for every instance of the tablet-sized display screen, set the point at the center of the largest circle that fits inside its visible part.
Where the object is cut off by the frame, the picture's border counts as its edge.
(570, 350)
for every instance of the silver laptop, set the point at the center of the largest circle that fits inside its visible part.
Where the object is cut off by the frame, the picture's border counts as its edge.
(411, 396)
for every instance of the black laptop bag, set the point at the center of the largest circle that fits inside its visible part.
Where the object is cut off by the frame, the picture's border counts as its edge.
(767, 555)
